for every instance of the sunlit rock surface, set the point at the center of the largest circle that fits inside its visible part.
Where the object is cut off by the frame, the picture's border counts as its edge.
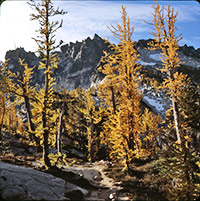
(21, 183)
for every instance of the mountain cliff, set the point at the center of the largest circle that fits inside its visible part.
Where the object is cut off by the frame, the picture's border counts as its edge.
(79, 62)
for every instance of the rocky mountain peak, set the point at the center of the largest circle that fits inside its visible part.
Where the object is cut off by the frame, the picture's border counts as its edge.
(79, 50)
(190, 51)
(143, 43)
(79, 62)
(29, 57)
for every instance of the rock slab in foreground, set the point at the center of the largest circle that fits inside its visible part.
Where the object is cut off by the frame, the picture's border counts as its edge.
(20, 183)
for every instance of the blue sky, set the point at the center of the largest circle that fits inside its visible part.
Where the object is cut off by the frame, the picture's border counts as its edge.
(85, 18)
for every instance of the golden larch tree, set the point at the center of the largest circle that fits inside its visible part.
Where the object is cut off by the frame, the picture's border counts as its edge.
(92, 115)
(122, 130)
(180, 159)
(46, 45)
(19, 84)
(166, 40)
(2, 96)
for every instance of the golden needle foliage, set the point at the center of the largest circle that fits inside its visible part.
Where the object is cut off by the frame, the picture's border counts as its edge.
(46, 44)
(120, 93)
(165, 39)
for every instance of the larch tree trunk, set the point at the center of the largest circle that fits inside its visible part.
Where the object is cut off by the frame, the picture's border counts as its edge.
(113, 100)
(60, 130)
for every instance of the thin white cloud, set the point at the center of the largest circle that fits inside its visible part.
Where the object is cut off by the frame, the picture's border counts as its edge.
(87, 18)
(84, 18)
(188, 13)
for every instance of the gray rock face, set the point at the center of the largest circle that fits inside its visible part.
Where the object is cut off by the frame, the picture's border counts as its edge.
(91, 175)
(29, 57)
(188, 55)
(79, 61)
(20, 183)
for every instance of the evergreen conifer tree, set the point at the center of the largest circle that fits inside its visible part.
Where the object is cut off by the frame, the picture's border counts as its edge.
(190, 108)
(19, 84)
(46, 45)
(123, 129)
(179, 159)
(2, 96)
(166, 40)
(93, 117)
(190, 105)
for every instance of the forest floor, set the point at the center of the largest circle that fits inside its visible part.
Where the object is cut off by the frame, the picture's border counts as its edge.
(103, 180)
(107, 181)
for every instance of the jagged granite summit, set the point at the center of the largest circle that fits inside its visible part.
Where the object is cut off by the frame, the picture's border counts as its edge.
(79, 61)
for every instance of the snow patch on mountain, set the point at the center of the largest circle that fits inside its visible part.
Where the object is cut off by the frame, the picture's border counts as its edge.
(156, 57)
(144, 63)
(157, 103)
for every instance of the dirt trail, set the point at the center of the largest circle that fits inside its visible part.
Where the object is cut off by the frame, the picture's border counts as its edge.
(107, 188)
